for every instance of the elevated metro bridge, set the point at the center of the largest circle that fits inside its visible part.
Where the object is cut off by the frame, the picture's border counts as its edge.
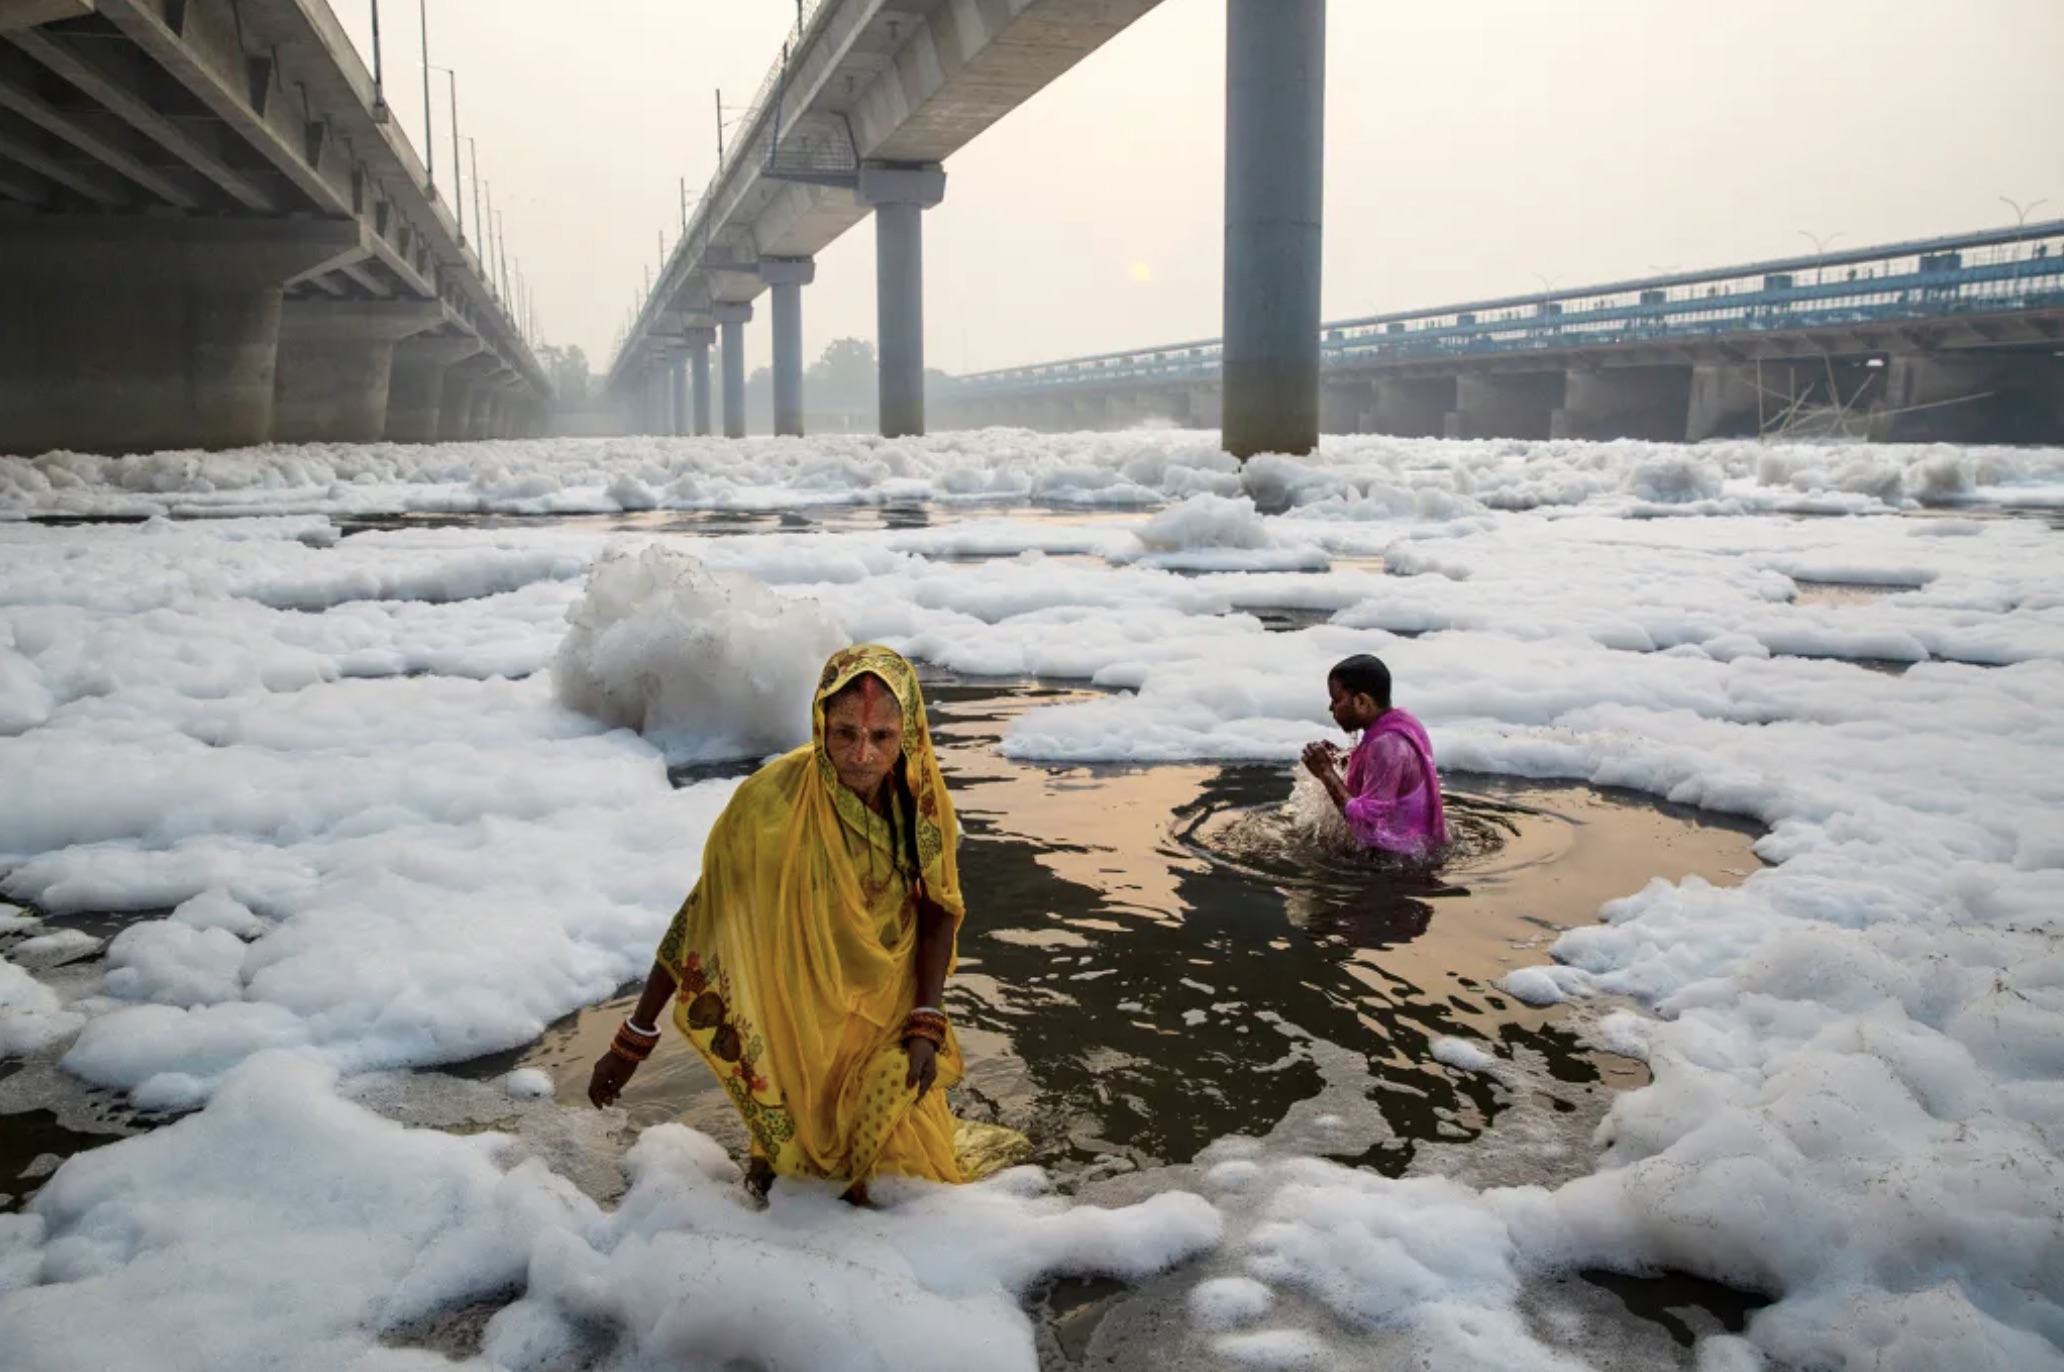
(856, 117)
(213, 234)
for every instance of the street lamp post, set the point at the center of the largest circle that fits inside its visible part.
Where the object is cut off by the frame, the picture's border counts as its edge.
(380, 111)
(458, 198)
(1820, 246)
(2021, 213)
(429, 140)
(473, 158)
(487, 226)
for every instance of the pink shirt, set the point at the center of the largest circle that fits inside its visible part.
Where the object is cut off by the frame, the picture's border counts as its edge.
(1394, 800)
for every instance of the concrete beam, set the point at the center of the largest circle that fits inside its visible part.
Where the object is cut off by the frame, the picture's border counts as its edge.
(106, 144)
(16, 15)
(113, 90)
(133, 334)
(336, 361)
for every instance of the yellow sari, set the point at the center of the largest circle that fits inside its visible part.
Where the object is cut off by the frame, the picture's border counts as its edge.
(795, 958)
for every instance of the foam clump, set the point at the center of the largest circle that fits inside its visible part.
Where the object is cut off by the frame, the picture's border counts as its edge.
(1464, 1055)
(32, 1015)
(284, 1226)
(706, 665)
(1228, 1303)
(528, 1083)
(1206, 521)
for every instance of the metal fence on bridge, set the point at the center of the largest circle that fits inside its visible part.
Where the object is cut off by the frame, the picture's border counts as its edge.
(1971, 274)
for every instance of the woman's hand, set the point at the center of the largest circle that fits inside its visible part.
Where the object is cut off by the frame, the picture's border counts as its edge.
(1322, 760)
(612, 1073)
(924, 1064)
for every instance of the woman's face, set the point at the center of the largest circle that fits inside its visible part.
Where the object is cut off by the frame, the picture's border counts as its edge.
(863, 733)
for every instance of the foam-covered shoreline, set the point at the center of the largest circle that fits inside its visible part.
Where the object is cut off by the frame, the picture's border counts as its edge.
(387, 842)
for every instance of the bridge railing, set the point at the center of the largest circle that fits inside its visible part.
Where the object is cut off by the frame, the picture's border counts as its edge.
(1988, 273)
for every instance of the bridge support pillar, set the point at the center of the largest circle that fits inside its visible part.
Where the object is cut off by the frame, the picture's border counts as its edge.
(1412, 406)
(464, 385)
(1344, 406)
(660, 396)
(677, 393)
(1987, 397)
(480, 419)
(899, 196)
(787, 277)
(123, 334)
(1274, 207)
(336, 366)
(1625, 402)
(1726, 402)
(732, 319)
(415, 387)
(699, 341)
(1505, 404)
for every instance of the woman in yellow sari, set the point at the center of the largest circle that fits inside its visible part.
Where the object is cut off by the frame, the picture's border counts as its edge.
(808, 965)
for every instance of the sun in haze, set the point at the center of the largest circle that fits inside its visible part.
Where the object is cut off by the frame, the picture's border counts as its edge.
(1142, 272)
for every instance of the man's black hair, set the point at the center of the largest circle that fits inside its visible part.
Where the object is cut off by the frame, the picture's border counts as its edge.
(1366, 675)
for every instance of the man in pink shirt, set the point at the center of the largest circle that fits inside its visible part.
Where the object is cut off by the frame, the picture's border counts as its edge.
(1390, 794)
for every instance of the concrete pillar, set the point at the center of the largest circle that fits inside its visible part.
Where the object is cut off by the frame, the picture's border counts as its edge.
(481, 415)
(662, 393)
(699, 341)
(1624, 402)
(1412, 406)
(899, 196)
(415, 387)
(732, 319)
(462, 386)
(677, 391)
(1971, 397)
(1344, 405)
(787, 277)
(1274, 206)
(127, 333)
(1725, 402)
(1505, 404)
(336, 361)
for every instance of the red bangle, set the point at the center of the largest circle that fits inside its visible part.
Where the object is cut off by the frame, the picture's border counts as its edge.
(630, 1047)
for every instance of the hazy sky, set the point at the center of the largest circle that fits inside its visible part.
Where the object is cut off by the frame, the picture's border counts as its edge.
(1473, 147)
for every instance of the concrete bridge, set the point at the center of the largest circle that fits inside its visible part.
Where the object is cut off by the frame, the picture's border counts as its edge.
(212, 234)
(866, 103)
(1957, 339)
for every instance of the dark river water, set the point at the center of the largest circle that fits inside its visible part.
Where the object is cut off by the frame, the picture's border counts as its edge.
(1144, 944)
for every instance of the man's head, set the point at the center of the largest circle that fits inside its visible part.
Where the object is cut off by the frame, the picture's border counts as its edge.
(863, 734)
(1359, 692)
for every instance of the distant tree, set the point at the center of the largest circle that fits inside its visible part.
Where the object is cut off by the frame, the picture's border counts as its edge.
(573, 385)
(844, 378)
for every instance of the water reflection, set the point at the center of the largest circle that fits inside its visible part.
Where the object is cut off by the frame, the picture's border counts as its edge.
(1146, 948)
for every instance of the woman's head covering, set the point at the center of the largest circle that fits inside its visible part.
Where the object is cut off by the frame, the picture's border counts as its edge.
(937, 830)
